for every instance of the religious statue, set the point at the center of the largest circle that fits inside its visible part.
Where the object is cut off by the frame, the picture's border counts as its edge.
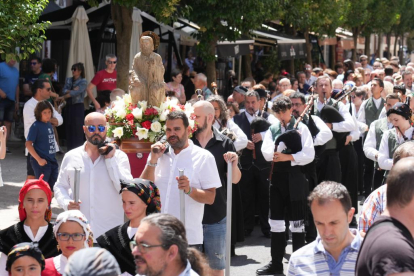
(146, 80)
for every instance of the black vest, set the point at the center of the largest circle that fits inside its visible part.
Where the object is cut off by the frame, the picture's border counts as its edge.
(247, 155)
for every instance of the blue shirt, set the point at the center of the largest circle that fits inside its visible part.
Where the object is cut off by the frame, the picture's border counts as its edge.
(313, 259)
(43, 138)
(9, 79)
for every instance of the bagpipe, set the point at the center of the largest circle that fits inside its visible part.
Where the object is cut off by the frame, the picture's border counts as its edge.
(329, 114)
(291, 138)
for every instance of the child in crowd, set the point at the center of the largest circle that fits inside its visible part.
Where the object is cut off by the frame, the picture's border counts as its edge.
(41, 144)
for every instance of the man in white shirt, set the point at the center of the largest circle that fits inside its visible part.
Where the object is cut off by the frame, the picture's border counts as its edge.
(373, 140)
(100, 176)
(199, 181)
(309, 78)
(41, 91)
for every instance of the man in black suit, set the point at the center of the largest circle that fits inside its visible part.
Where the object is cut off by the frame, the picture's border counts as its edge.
(255, 169)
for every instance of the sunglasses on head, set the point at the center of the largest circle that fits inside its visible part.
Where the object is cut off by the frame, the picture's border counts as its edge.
(112, 62)
(92, 128)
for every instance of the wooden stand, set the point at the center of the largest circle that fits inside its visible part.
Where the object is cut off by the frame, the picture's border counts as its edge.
(137, 152)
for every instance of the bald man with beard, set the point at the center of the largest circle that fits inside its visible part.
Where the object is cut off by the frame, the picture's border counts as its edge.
(100, 177)
(222, 148)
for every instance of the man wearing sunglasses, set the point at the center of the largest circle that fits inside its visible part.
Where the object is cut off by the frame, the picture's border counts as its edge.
(36, 70)
(103, 80)
(41, 91)
(100, 178)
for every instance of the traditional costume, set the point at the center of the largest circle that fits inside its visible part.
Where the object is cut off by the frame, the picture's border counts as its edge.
(56, 266)
(288, 187)
(255, 170)
(22, 250)
(20, 232)
(117, 239)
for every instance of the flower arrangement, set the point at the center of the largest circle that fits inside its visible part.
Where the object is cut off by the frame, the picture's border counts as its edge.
(127, 120)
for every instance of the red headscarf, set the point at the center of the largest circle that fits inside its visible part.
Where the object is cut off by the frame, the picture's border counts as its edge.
(31, 184)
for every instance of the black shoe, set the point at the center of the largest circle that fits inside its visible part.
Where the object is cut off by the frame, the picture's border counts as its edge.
(233, 251)
(248, 233)
(269, 269)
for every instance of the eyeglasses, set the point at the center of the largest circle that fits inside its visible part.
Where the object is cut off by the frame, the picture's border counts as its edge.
(67, 236)
(92, 128)
(142, 247)
(112, 62)
(33, 63)
(48, 89)
(74, 69)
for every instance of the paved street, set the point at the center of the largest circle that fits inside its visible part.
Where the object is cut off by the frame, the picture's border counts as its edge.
(253, 253)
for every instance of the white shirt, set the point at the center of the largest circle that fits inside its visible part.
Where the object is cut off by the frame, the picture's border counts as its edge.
(39, 235)
(131, 231)
(311, 80)
(324, 135)
(241, 138)
(101, 202)
(272, 119)
(347, 125)
(60, 263)
(200, 167)
(383, 113)
(377, 102)
(384, 159)
(301, 158)
(370, 144)
(29, 118)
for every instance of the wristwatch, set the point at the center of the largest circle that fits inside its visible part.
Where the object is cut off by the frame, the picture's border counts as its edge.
(151, 164)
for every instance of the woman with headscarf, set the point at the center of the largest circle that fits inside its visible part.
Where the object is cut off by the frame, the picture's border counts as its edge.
(72, 232)
(34, 226)
(400, 116)
(140, 198)
(25, 259)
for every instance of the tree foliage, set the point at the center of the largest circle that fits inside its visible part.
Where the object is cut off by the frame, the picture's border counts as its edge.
(18, 28)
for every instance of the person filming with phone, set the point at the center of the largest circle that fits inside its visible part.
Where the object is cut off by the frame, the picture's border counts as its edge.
(102, 167)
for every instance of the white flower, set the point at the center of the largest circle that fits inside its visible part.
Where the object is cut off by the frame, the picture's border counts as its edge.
(142, 133)
(157, 108)
(191, 123)
(143, 105)
(164, 128)
(156, 126)
(163, 115)
(118, 132)
(188, 107)
(127, 99)
(137, 112)
(108, 112)
(174, 101)
(121, 113)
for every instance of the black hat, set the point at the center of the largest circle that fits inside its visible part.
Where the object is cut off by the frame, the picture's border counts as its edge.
(262, 93)
(241, 89)
(401, 109)
(400, 88)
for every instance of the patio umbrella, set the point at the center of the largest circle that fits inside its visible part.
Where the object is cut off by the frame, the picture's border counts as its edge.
(80, 47)
(136, 33)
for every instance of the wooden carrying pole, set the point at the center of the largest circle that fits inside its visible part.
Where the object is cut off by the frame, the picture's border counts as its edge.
(228, 216)
(76, 185)
(182, 200)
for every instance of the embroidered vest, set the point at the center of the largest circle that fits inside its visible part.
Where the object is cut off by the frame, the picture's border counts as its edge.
(371, 111)
(381, 126)
(392, 142)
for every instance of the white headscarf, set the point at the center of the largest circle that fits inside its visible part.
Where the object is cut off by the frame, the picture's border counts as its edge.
(77, 216)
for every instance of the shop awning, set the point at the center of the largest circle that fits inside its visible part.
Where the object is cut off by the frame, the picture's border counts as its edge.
(234, 48)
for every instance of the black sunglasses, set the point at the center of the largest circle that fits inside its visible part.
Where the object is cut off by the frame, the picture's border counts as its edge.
(33, 63)
(92, 128)
(74, 69)
(112, 62)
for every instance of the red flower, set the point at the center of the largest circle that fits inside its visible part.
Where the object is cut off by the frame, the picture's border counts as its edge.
(182, 107)
(150, 111)
(129, 117)
(146, 124)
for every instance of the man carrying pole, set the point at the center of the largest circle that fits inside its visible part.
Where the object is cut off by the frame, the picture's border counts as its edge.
(199, 182)
(215, 217)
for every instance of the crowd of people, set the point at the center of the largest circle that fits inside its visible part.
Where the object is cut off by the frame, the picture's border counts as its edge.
(301, 152)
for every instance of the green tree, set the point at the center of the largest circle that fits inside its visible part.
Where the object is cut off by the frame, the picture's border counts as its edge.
(225, 20)
(18, 28)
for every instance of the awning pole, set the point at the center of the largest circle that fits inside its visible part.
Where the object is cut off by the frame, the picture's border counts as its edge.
(240, 66)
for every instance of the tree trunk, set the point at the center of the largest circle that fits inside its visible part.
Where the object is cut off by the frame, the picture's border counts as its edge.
(122, 18)
(401, 54)
(247, 66)
(211, 63)
(395, 44)
(367, 50)
(389, 45)
(308, 48)
(379, 45)
(355, 32)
